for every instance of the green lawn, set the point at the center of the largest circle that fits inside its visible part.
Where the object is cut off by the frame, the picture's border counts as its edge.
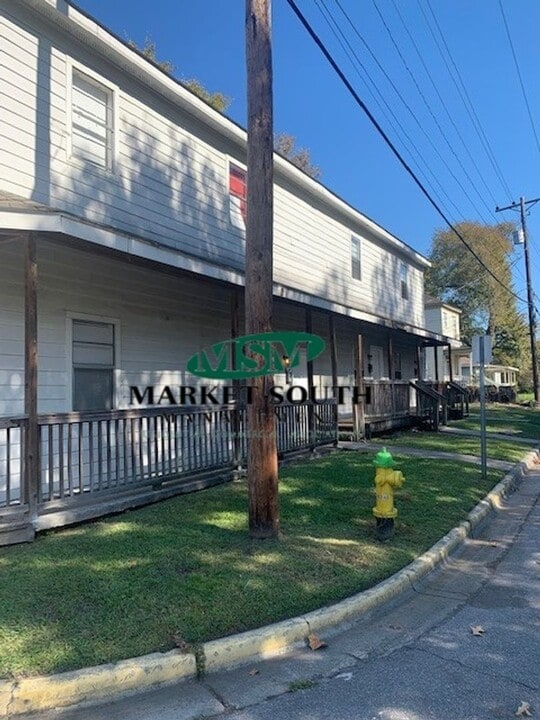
(460, 444)
(510, 419)
(122, 586)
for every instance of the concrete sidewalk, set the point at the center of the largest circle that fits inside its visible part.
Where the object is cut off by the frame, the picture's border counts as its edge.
(414, 660)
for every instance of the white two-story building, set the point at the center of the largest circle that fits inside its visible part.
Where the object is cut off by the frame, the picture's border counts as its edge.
(122, 237)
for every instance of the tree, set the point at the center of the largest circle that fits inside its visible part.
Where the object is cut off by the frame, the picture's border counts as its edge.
(217, 100)
(459, 279)
(285, 145)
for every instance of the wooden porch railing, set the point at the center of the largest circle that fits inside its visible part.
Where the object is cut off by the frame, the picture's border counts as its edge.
(386, 398)
(107, 453)
(431, 406)
(11, 462)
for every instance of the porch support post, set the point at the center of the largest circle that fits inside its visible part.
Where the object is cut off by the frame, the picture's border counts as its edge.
(391, 373)
(333, 354)
(419, 359)
(359, 417)
(236, 424)
(31, 439)
(436, 360)
(450, 371)
(311, 415)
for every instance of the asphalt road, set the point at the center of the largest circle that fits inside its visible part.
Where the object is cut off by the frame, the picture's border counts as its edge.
(416, 659)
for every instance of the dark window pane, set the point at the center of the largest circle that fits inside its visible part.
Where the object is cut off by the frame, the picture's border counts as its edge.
(92, 389)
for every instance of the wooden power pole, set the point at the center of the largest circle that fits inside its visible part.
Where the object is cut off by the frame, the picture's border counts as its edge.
(530, 297)
(262, 466)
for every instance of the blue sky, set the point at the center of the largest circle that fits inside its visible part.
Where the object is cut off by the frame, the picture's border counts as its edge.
(205, 40)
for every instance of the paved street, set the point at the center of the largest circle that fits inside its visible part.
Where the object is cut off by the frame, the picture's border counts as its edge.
(415, 660)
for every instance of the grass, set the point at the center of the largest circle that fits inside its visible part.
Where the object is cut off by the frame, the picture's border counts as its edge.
(504, 418)
(123, 586)
(459, 444)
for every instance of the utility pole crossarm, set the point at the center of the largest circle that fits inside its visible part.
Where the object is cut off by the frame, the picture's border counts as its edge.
(522, 204)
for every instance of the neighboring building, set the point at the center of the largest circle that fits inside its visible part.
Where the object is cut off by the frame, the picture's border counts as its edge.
(454, 361)
(133, 193)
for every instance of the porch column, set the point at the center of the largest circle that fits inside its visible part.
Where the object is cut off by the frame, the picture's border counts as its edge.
(391, 371)
(359, 417)
(333, 353)
(450, 372)
(31, 438)
(311, 416)
(436, 360)
(236, 425)
(419, 360)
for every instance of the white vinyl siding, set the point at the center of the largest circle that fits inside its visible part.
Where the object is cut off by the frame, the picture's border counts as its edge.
(171, 180)
(91, 120)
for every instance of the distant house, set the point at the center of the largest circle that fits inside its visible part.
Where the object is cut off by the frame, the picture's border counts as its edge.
(454, 362)
(122, 236)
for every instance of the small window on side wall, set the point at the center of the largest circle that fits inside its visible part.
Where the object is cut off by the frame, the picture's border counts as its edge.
(238, 196)
(93, 365)
(404, 281)
(356, 265)
(91, 121)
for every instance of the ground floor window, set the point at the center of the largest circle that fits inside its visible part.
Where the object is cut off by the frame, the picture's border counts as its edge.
(93, 355)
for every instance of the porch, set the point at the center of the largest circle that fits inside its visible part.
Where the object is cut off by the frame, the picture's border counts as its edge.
(91, 464)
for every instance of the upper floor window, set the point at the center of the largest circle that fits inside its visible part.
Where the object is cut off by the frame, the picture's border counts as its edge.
(91, 120)
(356, 266)
(238, 195)
(404, 281)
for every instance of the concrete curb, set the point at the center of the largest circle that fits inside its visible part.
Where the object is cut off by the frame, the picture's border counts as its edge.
(107, 682)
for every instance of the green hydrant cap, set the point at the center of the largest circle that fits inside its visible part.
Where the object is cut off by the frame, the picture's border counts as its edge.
(384, 459)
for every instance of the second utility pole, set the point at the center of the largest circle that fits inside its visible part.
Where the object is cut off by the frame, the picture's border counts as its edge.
(530, 299)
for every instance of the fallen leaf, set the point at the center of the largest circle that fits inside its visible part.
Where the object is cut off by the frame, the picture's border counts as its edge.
(524, 709)
(315, 643)
(477, 630)
(181, 644)
(253, 671)
(344, 676)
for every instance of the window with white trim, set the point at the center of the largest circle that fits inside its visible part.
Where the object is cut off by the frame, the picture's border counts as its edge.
(93, 355)
(404, 281)
(238, 195)
(92, 121)
(356, 264)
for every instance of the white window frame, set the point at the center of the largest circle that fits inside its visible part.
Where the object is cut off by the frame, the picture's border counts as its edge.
(241, 166)
(112, 156)
(404, 281)
(84, 317)
(358, 241)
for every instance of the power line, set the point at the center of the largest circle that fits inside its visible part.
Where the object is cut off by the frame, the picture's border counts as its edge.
(441, 99)
(387, 140)
(516, 63)
(464, 95)
(356, 63)
(433, 116)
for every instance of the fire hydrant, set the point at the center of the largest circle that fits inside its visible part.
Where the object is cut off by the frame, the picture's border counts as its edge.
(386, 479)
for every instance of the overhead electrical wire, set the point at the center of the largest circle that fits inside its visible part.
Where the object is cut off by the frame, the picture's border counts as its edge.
(430, 110)
(292, 4)
(442, 100)
(375, 91)
(522, 84)
(355, 30)
(464, 95)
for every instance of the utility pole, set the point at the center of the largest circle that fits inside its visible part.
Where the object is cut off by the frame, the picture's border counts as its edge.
(262, 465)
(530, 299)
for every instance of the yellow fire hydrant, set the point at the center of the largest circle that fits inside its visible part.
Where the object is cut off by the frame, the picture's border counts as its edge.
(386, 479)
